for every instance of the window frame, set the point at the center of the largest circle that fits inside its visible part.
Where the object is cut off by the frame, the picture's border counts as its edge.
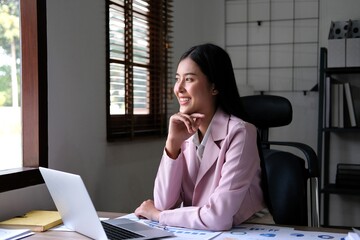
(34, 98)
(132, 126)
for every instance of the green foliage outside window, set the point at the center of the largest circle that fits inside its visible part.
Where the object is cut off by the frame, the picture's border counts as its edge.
(9, 53)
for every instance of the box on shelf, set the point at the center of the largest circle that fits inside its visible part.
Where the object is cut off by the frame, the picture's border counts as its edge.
(337, 45)
(353, 45)
(348, 175)
(344, 44)
(336, 53)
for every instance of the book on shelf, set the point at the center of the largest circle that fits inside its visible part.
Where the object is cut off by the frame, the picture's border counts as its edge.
(36, 220)
(355, 94)
(342, 104)
(334, 104)
(350, 104)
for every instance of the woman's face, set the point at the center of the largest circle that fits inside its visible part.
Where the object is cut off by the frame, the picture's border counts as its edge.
(193, 90)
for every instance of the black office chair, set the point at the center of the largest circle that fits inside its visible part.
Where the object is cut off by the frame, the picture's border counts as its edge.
(285, 175)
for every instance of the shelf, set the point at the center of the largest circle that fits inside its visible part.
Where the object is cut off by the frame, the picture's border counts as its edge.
(345, 129)
(343, 70)
(325, 134)
(334, 189)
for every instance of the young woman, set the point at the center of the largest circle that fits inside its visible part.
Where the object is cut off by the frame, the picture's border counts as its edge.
(209, 174)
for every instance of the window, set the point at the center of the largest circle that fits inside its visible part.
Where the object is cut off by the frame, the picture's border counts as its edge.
(34, 97)
(10, 110)
(137, 67)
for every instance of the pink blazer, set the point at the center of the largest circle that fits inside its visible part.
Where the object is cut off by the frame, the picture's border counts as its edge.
(224, 190)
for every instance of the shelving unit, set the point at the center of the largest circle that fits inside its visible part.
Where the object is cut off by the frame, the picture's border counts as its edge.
(326, 133)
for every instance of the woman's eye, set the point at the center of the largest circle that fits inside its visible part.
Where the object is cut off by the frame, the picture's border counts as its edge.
(188, 79)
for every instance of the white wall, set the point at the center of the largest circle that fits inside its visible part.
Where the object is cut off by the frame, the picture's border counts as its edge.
(196, 22)
(120, 175)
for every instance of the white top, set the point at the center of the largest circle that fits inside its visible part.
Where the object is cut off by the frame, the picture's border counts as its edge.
(201, 146)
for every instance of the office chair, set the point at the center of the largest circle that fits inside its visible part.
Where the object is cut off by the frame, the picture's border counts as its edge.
(285, 175)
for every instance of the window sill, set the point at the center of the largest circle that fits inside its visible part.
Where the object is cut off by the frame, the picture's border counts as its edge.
(17, 178)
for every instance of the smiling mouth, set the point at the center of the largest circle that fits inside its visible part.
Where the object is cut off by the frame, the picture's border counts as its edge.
(184, 100)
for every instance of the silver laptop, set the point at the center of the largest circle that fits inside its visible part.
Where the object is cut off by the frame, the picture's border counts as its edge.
(78, 212)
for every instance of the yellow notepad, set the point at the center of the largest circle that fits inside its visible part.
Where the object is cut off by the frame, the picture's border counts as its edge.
(37, 221)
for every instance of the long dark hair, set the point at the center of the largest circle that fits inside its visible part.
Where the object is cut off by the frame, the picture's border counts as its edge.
(216, 64)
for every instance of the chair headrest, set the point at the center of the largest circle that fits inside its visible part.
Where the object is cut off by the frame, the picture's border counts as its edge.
(265, 111)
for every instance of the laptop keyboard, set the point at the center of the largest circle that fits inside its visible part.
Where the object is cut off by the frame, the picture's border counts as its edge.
(117, 233)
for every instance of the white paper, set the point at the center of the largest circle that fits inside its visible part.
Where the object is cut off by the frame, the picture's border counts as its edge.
(253, 231)
(13, 234)
(262, 232)
(353, 235)
(245, 232)
(180, 233)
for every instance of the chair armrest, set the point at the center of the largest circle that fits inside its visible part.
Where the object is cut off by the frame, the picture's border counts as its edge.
(310, 155)
(313, 171)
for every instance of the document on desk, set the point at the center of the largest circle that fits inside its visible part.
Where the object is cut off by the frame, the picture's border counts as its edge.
(353, 235)
(180, 233)
(13, 234)
(267, 232)
(244, 232)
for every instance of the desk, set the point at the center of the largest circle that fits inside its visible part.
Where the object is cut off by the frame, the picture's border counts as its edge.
(76, 236)
(69, 235)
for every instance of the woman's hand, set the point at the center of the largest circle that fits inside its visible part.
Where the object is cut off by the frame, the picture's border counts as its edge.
(147, 210)
(181, 127)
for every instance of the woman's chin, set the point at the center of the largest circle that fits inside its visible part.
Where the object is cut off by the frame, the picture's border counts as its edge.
(185, 110)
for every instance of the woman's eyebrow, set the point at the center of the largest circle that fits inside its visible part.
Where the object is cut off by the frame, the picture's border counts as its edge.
(185, 74)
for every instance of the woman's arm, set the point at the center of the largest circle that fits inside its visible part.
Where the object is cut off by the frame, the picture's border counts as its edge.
(166, 190)
(167, 187)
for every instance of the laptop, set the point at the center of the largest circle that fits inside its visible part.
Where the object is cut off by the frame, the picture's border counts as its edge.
(78, 212)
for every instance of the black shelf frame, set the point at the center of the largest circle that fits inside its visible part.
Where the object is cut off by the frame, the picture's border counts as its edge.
(332, 188)
(324, 134)
(344, 129)
(342, 70)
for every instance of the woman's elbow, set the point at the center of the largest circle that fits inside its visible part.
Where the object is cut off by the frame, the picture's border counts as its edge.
(219, 225)
(165, 204)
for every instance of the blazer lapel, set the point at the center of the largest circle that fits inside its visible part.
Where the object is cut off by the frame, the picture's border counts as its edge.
(209, 158)
(193, 166)
(218, 133)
